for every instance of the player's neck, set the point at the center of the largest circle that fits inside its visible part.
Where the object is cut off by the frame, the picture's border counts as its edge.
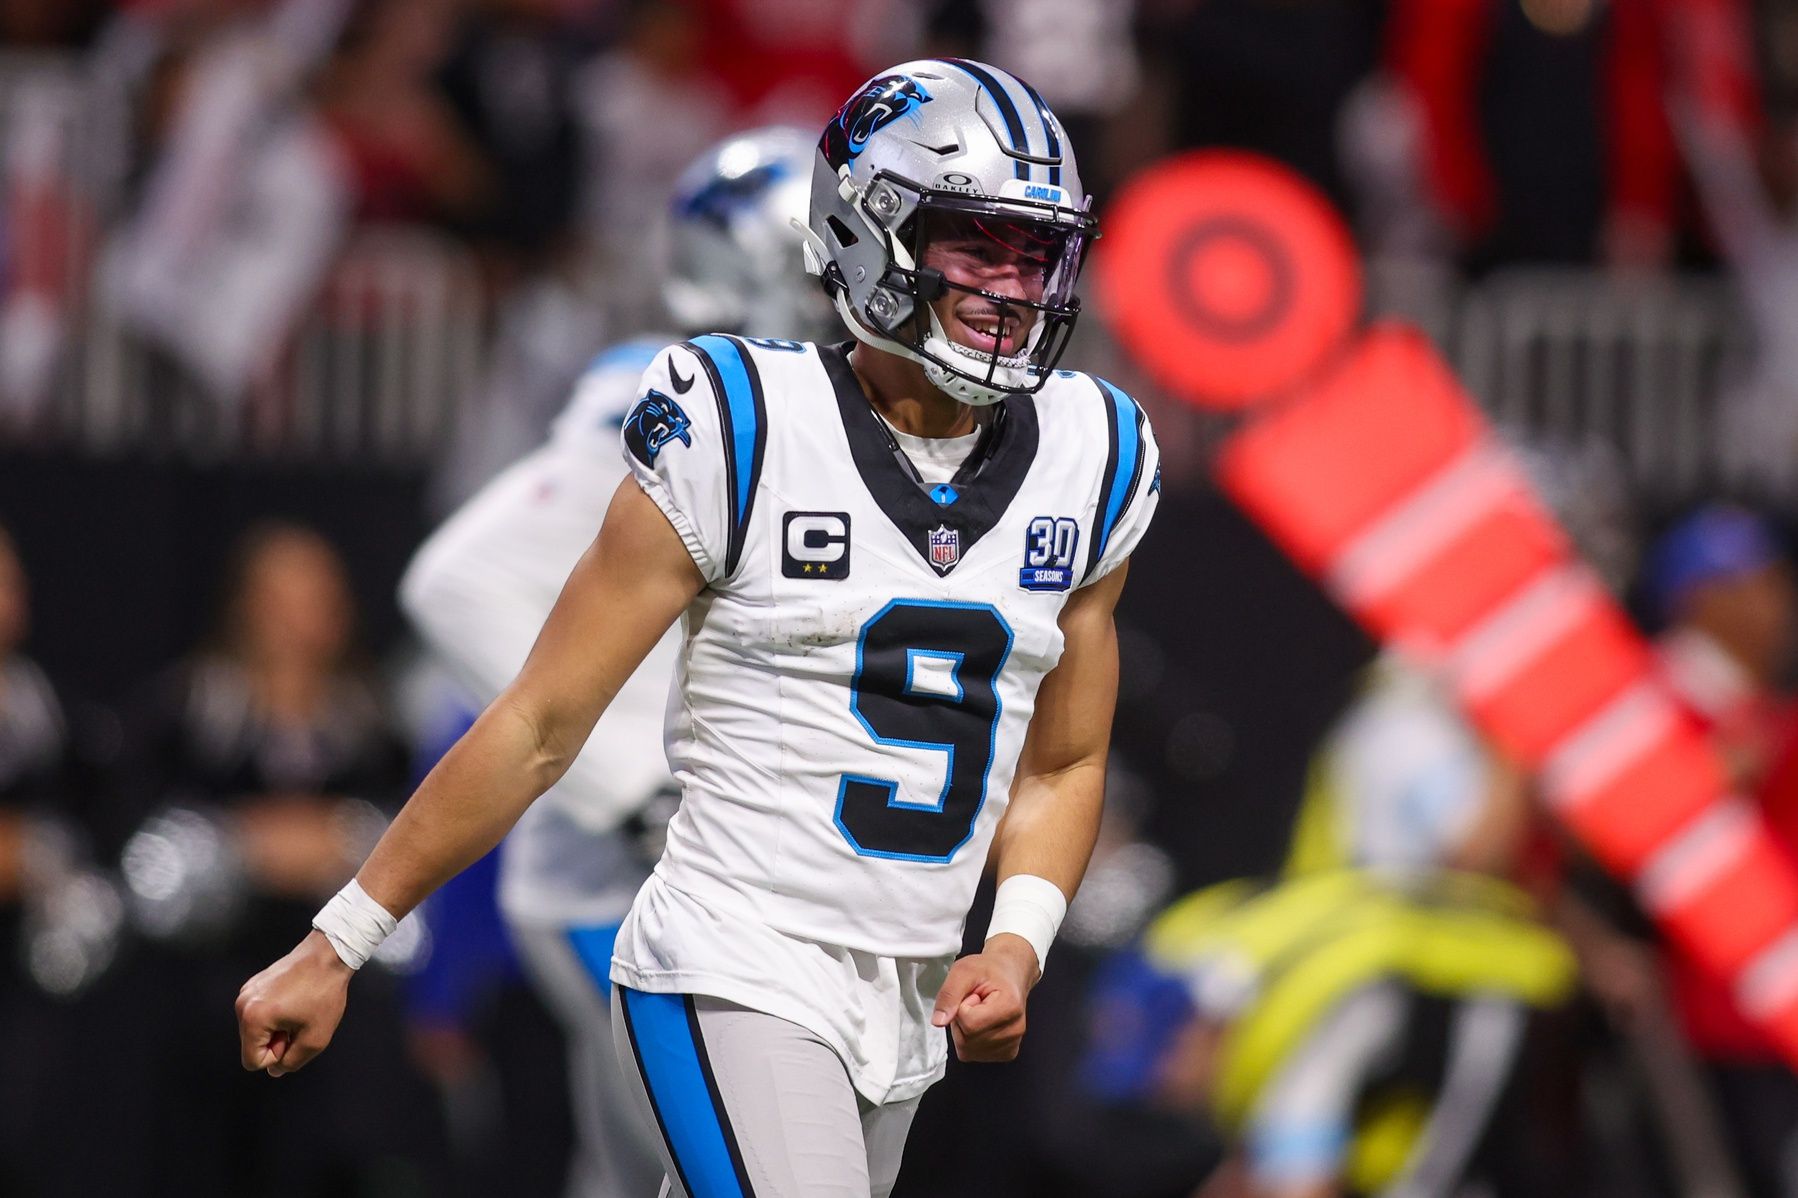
(899, 391)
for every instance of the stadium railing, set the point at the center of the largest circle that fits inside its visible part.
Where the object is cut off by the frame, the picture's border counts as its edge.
(383, 364)
(1649, 365)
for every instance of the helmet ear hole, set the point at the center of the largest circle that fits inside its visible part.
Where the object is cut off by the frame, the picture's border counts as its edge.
(842, 232)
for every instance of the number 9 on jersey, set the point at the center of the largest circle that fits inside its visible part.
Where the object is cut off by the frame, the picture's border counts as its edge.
(926, 675)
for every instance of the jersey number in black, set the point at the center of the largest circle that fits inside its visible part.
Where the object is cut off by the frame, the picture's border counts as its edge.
(925, 677)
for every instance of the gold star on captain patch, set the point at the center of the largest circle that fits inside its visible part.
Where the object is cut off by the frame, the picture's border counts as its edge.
(808, 567)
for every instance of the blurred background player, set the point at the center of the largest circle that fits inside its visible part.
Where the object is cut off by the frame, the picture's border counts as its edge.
(479, 589)
(1356, 1026)
(1720, 585)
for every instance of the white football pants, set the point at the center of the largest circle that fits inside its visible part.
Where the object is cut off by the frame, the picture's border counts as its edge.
(746, 1105)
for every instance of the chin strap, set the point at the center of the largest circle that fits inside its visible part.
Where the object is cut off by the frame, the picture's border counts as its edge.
(950, 382)
(1008, 379)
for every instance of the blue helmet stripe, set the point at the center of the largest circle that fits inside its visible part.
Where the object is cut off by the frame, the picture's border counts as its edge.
(1053, 142)
(743, 415)
(1122, 469)
(1008, 109)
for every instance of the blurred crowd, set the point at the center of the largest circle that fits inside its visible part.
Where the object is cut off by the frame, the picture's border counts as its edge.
(202, 164)
(1410, 979)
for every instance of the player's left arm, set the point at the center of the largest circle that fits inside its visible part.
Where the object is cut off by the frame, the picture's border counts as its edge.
(1049, 830)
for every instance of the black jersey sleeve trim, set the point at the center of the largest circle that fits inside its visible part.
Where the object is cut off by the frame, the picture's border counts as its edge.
(1123, 469)
(743, 415)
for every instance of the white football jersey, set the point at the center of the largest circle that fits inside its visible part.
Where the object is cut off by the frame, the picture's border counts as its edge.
(856, 679)
(479, 590)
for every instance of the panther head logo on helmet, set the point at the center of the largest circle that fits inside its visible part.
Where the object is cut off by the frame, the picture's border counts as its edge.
(880, 103)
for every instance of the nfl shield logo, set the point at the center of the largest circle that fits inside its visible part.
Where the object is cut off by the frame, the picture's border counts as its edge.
(945, 546)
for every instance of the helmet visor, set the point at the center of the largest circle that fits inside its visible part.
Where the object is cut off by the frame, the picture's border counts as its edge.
(980, 286)
(1001, 251)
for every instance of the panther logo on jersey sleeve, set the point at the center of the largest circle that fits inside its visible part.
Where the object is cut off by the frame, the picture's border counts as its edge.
(652, 424)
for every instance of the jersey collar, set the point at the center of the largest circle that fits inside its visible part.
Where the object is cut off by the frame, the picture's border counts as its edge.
(972, 502)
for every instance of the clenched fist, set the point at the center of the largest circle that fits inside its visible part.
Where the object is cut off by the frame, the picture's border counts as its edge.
(287, 1014)
(982, 1000)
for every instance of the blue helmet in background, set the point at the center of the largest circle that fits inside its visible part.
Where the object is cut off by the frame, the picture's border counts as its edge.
(736, 262)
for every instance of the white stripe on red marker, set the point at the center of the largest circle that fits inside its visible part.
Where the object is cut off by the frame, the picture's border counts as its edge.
(1413, 530)
(1697, 855)
(1524, 626)
(1768, 984)
(1614, 738)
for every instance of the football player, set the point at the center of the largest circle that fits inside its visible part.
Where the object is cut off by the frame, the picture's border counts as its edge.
(479, 588)
(895, 563)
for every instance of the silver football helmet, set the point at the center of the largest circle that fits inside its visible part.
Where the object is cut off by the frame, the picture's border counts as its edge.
(735, 264)
(950, 151)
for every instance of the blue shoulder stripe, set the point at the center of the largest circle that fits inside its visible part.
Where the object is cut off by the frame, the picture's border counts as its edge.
(743, 416)
(1054, 142)
(664, 1036)
(1008, 110)
(1123, 468)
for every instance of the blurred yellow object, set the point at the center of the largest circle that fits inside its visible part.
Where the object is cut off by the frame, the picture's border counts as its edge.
(1385, 1139)
(1275, 961)
(1317, 844)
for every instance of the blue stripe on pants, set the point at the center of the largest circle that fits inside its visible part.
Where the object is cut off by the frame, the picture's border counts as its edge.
(674, 1073)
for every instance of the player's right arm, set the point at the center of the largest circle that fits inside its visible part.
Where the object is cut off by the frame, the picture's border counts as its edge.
(666, 535)
(633, 582)
(622, 596)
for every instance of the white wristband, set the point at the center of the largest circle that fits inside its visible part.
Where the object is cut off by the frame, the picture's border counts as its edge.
(1031, 907)
(354, 924)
